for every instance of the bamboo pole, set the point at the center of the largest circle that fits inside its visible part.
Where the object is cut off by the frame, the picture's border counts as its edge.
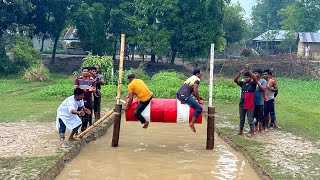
(118, 106)
(96, 124)
(211, 110)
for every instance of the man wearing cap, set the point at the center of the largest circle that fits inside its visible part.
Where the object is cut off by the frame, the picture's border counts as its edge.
(138, 88)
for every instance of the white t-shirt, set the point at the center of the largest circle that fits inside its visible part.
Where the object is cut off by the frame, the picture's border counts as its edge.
(64, 113)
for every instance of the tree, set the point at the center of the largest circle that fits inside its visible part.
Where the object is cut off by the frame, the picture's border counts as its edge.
(151, 16)
(301, 16)
(91, 27)
(234, 24)
(265, 15)
(59, 15)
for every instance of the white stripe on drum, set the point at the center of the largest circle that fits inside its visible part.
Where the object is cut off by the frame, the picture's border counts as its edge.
(146, 112)
(183, 111)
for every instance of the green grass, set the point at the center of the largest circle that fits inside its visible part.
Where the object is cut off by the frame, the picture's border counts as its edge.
(27, 167)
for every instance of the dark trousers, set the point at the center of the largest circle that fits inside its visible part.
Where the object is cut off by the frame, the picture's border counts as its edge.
(141, 106)
(269, 109)
(87, 118)
(192, 103)
(243, 113)
(97, 103)
(62, 129)
(258, 114)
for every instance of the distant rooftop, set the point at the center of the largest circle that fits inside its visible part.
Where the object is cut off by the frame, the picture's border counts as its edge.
(71, 34)
(274, 35)
(309, 37)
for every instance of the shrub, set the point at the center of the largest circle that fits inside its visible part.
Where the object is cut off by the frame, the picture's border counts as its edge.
(23, 55)
(36, 73)
(105, 64)
(56, 90)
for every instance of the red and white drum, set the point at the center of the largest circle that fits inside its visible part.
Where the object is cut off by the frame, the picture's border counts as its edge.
(164, 110)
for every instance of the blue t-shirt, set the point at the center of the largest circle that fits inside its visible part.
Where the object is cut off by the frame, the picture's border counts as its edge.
(258, 95)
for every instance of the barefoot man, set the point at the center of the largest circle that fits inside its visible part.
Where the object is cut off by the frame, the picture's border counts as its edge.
(189, 88)
(68, 115)
(140, 89)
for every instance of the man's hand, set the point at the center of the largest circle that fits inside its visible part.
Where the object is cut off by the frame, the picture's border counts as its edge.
(87, 111)
(241, 70)
(248, 68)
(82, 113)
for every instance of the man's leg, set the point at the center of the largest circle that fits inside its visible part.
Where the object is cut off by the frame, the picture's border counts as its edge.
(242, 114)
(270, 104)
(96, 107)
(255, 115)
(250, 121)
(260, 117)
(62, 131)
(198, 109)
(89, 106)
(74, 131)
(137, 113)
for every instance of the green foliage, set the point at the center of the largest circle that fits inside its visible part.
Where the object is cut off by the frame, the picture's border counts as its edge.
(266, 11)
(105, 64)
(23, 55)
(55, 91)
(301, 16)
(138, 72)
(110, 91)
(37, 72)
(91, 27)
(289, 44)
(234, 24)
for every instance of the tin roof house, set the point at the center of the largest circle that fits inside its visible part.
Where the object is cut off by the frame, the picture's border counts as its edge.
(309, 45)
(267, 42)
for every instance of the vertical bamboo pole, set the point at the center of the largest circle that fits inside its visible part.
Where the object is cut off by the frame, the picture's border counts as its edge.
(118, 107)
(211, 110)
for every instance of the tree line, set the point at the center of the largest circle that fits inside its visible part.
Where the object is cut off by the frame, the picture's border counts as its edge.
(157, 27)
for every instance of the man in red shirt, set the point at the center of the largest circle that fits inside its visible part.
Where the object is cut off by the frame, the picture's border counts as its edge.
(246, 105)
(86, 83)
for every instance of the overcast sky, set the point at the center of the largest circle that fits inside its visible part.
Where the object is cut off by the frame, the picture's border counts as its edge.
(246, 5)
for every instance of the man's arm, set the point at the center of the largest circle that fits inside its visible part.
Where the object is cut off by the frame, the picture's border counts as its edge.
(196, 93)
(273, 86)
(236, 78)
(130, 98)
(262, 87)
(76, 84)
(101, 78)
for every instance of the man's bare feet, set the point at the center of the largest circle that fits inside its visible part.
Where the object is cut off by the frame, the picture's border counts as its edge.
(63, 145)
(193, 129)
(146, 124)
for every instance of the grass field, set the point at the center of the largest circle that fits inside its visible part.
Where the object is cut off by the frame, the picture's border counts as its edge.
(297, 108)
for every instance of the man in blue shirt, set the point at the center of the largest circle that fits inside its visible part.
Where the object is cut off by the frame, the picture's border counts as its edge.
(258, 99)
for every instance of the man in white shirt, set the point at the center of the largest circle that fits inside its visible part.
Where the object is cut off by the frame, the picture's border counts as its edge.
(68, 115)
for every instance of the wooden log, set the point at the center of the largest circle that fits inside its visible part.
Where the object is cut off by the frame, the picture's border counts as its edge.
(116, 126)
(210, 128)
(96, 124)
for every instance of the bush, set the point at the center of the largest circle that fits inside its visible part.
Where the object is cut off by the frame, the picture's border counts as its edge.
(105, 64)
(23, 55)
(36, 73)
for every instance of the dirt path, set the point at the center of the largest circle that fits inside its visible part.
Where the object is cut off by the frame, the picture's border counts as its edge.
(285, 151)
(27, 139)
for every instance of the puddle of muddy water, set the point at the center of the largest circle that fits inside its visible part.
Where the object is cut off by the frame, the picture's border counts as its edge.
(162, 152)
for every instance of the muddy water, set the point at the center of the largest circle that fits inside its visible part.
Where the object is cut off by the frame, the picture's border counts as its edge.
(162, 152)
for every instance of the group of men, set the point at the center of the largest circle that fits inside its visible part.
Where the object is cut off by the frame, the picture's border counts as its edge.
(76, 110)
(258, 91)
